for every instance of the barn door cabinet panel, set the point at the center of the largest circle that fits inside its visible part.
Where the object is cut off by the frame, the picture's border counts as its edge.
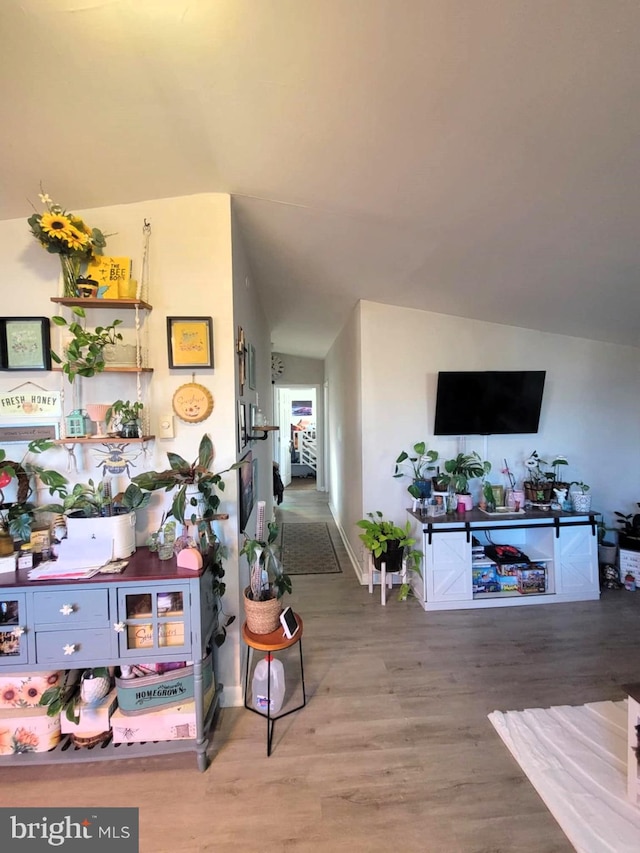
(561, 548)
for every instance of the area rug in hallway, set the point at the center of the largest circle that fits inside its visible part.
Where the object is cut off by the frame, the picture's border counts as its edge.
(575, 758)
(308, 549)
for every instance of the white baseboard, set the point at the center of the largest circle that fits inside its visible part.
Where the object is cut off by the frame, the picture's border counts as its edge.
(355, 563)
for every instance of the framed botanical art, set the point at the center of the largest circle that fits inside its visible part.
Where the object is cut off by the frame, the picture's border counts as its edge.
(190, 342)
(25, 343)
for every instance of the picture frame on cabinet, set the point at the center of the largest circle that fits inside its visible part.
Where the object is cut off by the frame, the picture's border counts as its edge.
(25, 343)
(190, 342)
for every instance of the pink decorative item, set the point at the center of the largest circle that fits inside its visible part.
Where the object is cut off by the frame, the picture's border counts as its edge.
(97, 413)
(190, 558)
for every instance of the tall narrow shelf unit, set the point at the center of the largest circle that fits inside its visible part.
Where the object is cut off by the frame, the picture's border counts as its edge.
(565, 543)
(136, 305)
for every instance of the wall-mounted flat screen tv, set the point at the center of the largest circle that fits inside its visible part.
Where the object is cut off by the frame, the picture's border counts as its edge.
(488, 402)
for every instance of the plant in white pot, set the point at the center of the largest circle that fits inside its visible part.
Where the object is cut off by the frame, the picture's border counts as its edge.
(417, 464)
(580, 497)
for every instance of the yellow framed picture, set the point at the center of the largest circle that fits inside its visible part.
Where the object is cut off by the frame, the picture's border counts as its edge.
(190, 342)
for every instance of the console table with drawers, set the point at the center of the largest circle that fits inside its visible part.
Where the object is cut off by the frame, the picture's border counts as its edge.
(152, 612)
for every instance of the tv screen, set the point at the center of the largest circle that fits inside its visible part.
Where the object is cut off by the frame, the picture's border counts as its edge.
(488, 402)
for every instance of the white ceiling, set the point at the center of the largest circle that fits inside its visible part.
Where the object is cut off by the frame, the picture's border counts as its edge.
(472, 157)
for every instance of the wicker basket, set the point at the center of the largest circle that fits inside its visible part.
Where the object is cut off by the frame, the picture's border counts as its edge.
(263, 617)
(538, 492)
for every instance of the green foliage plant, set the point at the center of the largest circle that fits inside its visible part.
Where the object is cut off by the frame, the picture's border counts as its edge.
(465, 467)
(264, 562)
(379, 532)
(84, 355)
(124, 411)
(417, 464)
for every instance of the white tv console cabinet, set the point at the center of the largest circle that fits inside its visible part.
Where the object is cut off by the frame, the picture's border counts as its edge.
(565, 542)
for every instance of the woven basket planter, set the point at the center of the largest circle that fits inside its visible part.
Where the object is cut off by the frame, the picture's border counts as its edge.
(538, 492)
(263, 617)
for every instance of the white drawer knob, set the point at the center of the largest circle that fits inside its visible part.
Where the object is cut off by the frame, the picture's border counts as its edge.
(18, 632)
(118, 627)
(66, 609)
(69, 649)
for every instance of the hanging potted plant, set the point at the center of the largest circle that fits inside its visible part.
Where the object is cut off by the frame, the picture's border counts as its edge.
(417, 464)
(84, 354)
(268, 582)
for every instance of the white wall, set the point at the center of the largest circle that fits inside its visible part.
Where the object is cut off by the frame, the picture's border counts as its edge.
(590, 413)
(300, 371)
(191, 274)
(345, 426)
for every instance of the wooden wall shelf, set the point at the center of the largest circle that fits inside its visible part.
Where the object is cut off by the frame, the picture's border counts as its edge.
(116, 370)
(92, 302)
(103, 439)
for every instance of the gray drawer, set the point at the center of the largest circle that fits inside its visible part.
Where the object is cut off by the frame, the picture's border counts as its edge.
(90, 607)
(90, 645)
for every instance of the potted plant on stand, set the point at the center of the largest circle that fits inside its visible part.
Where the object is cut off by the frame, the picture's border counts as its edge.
(268, 581)
(391, 544)
(461, 469)
(417, 464)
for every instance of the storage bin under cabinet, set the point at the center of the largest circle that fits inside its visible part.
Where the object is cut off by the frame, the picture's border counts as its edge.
(562, 544)
(630, 564)
(154, 611)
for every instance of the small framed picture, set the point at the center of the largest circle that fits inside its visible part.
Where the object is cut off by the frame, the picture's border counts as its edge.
(190, 342)
(25, 343)
(251, 367)
(241, 348)
(242, 425)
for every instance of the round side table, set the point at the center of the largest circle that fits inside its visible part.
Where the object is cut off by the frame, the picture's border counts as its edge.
(276, 641)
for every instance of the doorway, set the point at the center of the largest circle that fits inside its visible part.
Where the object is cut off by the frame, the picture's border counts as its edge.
(299, 445)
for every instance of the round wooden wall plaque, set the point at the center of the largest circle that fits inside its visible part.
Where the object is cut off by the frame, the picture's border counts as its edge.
(192, 402)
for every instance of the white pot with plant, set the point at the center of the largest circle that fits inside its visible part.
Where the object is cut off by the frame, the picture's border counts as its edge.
(580, 496)
(463, 468)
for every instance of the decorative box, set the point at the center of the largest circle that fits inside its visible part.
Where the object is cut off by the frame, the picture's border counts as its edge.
(169, 690)
(93, 718)
(508, 583)
(167, 724)
(8, 564)
(533, 579)
(629, 564)
(28, 730)
(485, 579)
(24, 689)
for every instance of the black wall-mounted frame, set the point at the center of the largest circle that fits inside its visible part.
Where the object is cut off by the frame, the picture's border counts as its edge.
(25, 343)
(190, 342)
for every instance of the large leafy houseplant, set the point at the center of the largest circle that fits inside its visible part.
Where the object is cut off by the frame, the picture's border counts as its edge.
(465, 467)
(17, 517)
(196, 500)
(417, 464)
(391, 543)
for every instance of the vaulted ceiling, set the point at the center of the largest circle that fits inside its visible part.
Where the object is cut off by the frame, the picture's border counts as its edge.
(473, 157)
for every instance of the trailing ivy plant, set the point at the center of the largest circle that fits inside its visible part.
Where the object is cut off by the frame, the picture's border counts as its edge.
(84, 356)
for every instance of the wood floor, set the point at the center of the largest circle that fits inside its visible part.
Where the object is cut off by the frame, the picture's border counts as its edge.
(394, 751)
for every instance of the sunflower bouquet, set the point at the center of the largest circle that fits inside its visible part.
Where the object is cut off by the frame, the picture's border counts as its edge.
(62, 233)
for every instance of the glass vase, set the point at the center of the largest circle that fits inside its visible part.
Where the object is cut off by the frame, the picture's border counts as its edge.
(70, 272)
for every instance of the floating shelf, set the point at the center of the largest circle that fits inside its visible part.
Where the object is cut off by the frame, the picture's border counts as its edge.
(103, 439)
(92, 302)
(115, 370)
(264, 430)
